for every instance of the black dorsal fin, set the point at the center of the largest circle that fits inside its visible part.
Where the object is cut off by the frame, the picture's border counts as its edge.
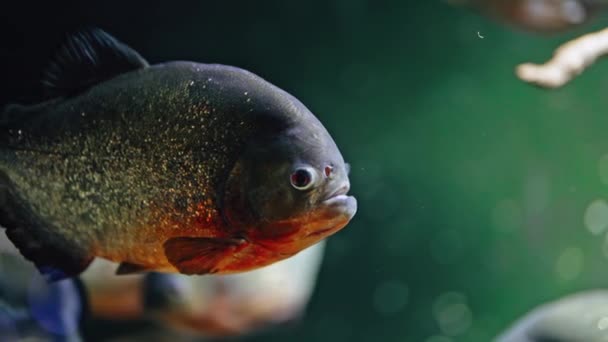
(88, 57)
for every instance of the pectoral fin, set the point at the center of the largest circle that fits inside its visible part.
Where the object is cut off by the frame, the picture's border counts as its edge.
(199, 255)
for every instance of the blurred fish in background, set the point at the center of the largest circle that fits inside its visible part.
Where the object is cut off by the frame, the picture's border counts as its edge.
(32, 309)
(160, 304)
(578, 317)
(539, 16)
(151, 306)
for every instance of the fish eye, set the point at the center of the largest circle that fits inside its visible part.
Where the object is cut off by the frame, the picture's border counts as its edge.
(303, 178)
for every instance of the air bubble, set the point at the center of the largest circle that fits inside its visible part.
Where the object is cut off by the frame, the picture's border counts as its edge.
(596, 217)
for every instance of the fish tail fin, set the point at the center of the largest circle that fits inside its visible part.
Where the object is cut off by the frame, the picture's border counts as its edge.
(55, 257)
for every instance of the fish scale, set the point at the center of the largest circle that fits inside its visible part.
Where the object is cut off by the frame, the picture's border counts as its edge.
(110, 182)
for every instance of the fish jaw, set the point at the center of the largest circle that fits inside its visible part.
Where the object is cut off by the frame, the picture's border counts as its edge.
(326, 219)
(280, 240)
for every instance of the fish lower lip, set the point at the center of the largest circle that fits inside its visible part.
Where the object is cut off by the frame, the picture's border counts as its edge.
(337, 199)
(341, 191)
(344, 204)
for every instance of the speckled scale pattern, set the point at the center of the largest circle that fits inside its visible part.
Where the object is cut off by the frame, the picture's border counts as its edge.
(135, 160)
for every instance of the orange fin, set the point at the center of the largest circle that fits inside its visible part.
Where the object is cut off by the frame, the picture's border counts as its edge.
(128, 268)
(199, 255)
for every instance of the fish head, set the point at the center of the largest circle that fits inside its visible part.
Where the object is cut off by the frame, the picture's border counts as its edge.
(289, 189)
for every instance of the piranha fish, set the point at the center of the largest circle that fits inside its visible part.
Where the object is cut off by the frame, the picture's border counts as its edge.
(542, 16)
(175, 167)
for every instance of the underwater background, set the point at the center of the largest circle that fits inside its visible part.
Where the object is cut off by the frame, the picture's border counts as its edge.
(480, 197)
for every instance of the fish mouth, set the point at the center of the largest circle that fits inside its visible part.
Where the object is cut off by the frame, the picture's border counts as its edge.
(336, 212)
(333, 213)
(340, 203)
(340, 191)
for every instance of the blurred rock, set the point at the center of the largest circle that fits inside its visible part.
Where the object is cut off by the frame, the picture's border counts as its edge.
(543, 16)
(578, 317)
